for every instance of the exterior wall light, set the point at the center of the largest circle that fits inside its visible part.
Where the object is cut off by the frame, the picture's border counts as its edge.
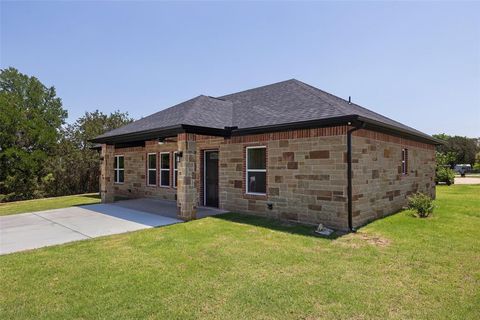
(179, 156)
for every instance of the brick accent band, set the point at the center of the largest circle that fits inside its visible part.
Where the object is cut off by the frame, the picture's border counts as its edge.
(393, 139)
(291, 134)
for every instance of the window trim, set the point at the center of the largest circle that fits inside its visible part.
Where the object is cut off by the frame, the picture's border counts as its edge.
(247, 192)
(160, 171)
(150, 169)
(175, 170)
(117, 169)
(404, 161)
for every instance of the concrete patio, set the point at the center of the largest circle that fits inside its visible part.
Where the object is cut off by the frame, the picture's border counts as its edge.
(165, 208)
(45, 228)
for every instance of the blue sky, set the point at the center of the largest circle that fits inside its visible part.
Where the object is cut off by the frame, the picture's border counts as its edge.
(416, 62)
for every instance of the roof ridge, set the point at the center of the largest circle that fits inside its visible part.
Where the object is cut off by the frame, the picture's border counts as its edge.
(191, 107)
(350, 103)
(256, 88)
(190, 112)
(313, 90)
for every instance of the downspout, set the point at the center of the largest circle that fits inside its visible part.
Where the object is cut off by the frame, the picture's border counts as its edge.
(356, 127)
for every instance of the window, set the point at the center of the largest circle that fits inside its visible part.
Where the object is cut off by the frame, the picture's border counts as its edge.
(256, 173)
(119, 168)
(165, 169)
(404, 161)
(175, 169)
(152, 169)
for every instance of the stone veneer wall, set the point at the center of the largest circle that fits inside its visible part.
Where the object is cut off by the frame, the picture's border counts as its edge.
(106, 174)
(306, 174)
(135, 185)
(379, 187)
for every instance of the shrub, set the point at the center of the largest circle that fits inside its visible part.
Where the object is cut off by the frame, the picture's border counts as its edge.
(476, 167)
(421, 204)
(444, 174)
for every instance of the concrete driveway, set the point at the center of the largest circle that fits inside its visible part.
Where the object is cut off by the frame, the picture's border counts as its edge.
(467, 180)
(44, 228)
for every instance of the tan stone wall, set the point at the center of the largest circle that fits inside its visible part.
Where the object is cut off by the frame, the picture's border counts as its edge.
(379, 187)
(187, 195)
(106, 174)
(306, 175)
(135, 185)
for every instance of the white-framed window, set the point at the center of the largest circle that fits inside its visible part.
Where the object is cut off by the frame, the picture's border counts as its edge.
(164, 169)
(404, 161)
(256, 170)
(175, 169)
(119, 169)
(152, 169)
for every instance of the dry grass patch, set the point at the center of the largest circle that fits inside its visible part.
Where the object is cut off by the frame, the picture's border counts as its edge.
(361, 239)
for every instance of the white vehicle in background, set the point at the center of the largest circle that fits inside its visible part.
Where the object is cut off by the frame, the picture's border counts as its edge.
(462, 169)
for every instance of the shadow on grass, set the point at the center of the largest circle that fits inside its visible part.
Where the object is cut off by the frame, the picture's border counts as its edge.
(277, 225)
(93, 196)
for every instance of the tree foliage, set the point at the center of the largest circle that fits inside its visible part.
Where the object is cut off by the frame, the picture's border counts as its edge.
(39, 154)
(458, 149)
(76, 166)
(31, 116)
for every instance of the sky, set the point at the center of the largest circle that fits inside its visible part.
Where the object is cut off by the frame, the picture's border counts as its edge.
(415, 62)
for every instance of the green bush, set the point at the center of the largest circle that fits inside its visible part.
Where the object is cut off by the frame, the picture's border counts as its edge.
(476, 168)
(422, 204)
(444, 174)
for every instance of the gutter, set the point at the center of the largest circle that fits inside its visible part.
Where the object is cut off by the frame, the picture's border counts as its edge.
(308, 124)
(160, 133)
(357, 126)
(392, 130)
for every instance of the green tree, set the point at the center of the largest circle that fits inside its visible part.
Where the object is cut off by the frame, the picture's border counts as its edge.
(464, 149)
(76, 166)
(31, 116)
(446, 159)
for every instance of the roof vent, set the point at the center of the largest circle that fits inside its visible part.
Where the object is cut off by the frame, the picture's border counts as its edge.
(349, 100)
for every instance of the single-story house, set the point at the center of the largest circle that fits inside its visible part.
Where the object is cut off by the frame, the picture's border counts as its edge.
(286, 150)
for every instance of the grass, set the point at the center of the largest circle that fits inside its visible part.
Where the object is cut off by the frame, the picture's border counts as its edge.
(241, 267)
(47, 203)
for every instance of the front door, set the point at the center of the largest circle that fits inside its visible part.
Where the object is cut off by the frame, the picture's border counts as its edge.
(211, 178)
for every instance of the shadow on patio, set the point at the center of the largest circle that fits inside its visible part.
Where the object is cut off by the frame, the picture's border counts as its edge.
(164, 208)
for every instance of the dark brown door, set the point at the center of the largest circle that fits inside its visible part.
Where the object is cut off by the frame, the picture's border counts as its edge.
(211, 178)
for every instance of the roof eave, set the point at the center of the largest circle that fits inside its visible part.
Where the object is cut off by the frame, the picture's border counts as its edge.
(330, 122)
(160, 133)
(341, 120)
(140, 135)
(386, 128)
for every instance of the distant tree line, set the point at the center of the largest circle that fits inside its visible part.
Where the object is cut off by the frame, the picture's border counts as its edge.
(41, 155)
(458, 150)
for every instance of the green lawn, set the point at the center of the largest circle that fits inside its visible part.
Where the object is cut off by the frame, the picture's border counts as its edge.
(240, 267)
(47, 203)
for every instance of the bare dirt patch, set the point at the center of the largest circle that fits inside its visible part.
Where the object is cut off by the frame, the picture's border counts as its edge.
(361, 239)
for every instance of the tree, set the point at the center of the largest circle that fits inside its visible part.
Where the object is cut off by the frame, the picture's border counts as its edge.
(31, 116)
(464, 149)
(76, 167)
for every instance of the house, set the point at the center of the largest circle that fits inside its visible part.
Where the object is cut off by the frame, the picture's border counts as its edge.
(286, 150)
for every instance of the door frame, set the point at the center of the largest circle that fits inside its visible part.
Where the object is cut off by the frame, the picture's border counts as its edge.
(204, 153)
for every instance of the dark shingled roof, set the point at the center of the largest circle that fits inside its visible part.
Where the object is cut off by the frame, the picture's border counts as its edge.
(281, 103)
